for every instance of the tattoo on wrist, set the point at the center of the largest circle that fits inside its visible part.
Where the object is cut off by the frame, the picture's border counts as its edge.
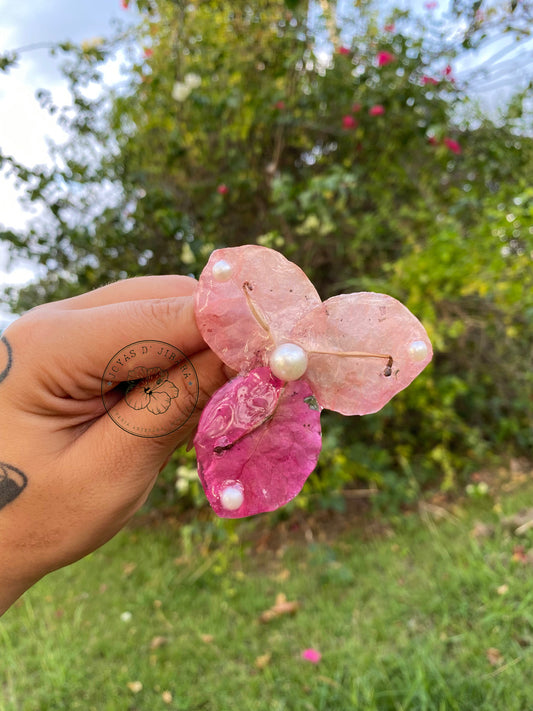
(12, 483)
(6, 358)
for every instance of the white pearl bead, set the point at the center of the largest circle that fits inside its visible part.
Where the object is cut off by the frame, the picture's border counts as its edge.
(288, 361)
(232, 496)
(222, 270)
(418, 350)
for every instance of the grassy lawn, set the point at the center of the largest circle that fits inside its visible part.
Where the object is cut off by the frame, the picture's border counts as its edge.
(429, 611)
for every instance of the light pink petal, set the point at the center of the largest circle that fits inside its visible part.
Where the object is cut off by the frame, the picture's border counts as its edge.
(362, 322)
(257, 279)
(258, 439)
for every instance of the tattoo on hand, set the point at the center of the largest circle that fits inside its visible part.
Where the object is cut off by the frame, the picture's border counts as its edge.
(12, 483)
(6, 358)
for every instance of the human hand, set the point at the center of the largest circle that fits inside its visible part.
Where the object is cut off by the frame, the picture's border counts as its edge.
(71, 475)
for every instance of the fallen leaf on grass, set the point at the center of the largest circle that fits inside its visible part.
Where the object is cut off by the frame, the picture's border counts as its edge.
(482, 530)
(329, 681)
(502, 589)
(167, 697)
(207, 638)
(521, 522)
(281, 607)
(263, 660)
(519, 554)
(494, 656)
(128, 568)
(157, 642)
(135, 686)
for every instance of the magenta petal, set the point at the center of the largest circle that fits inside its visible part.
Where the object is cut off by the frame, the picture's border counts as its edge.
(235, 283)
(311, 655)
(257, 442)
(367, 322)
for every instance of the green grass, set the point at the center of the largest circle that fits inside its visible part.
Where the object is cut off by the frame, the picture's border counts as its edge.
(404, 619)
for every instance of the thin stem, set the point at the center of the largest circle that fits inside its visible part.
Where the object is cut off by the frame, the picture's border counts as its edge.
(361, 354)
(353, 354)
(247, 287)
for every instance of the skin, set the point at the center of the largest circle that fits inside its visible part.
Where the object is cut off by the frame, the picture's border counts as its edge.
(70, 478)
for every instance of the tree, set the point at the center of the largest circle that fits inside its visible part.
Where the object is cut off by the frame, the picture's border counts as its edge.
(343, 148)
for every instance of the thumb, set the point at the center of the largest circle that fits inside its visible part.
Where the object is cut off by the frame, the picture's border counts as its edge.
(132, 445)
(76, 346)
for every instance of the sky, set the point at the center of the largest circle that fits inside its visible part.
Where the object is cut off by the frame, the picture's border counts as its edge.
(24, 127)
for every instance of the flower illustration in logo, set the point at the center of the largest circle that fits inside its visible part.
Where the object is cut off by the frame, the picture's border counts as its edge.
(150, 388)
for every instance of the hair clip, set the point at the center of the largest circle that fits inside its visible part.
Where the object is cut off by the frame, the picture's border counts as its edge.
(259, 437)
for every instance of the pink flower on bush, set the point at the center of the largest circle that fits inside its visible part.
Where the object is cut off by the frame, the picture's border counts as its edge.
(148, 53)
(343, 50)
(452, 145)
(222, 189)
(448, 71)
(429, 80)
(432, 141)
(125, 4)
(385, 58)
(349, 122)
(377, 110)
(356, 107)
(431, 5)
(279, 105)
(311, 655)
(390, 28)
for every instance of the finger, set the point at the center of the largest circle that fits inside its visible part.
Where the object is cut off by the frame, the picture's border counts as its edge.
(77, 349)
(135, 289)
(134, 455)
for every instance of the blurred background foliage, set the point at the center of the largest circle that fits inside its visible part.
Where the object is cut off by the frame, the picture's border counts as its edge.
(339, 135)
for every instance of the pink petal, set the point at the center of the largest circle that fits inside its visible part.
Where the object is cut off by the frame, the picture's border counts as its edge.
(385, 58)
(452, 145)
(349, 122)
(363, 322)
(257, 279)
(259, 439)
(311, 655)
